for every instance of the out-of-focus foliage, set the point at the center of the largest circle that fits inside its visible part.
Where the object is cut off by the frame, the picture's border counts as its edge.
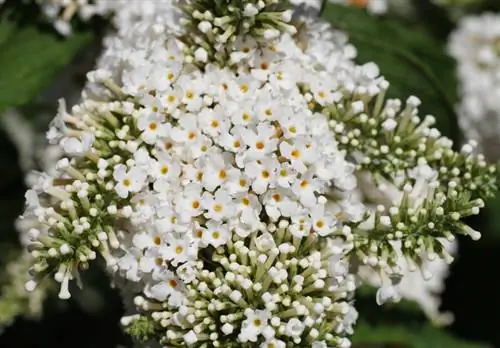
(402, 336)
(31, 54)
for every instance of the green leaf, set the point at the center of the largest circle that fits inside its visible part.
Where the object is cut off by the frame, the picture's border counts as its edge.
(31, 56)
(488, 222)
(409, 58)
(367, 336)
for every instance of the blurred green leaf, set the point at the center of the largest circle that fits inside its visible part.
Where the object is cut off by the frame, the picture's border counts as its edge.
(399, 336)
(434, 17)
(30, 57)
(491, 5)
(409, 58)
(488, 222)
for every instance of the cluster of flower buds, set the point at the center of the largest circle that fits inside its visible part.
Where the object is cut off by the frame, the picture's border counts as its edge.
(215, 28)
(170, 166)
(270, 288)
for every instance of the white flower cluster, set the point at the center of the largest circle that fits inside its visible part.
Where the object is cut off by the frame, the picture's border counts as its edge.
(216, 37)
(171, 162)
(422, 284)
(422, 279)
(34, 154)
(477, 52)
(61, 12)
(216, 176)
(282, 290)
(227, 149)
(401, 281)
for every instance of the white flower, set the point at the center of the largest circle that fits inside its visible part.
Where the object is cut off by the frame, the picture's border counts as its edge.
(128, 180)
(129, 264)
(190, 202)
(273, 343)
(249, 207)
(215, 170)
(305, 189)
(322, 223)
(298, 155)
(254, 324)
(216, 234)
(278, 204)
(180, 250)
(165, 169)
(169, 285)
(212, 121)
(260, 143)
(263, 173)
(219, 206)
(151, 126)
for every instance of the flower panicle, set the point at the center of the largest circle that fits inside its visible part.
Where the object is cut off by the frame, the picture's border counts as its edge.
(418, 227)
(387, 139)
(218, 175)
(301, 291)
(427, 186)
(76, 208)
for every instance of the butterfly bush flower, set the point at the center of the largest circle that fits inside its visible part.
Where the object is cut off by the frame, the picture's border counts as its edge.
(477, 53)
(415, 285)
(30, 141)
(214, 167)
(62, 12)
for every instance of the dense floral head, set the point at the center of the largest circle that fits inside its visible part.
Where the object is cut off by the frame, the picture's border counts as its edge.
(269, 289)
(214, 168)
(177, 174)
